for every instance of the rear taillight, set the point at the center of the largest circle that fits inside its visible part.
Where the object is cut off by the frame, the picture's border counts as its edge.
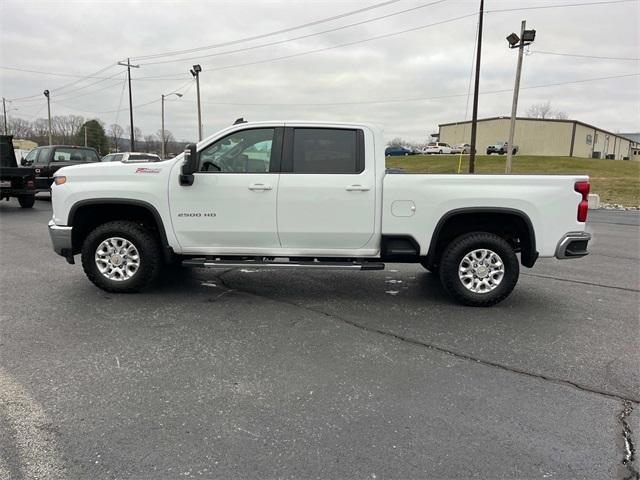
(583, 207)
(31, 184)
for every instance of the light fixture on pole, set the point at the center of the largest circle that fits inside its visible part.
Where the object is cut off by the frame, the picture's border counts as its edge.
(46, 94)
(526, 38)
(195, 71)
(163, 96)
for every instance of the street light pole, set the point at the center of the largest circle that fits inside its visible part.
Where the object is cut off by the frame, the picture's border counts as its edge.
(526, 38)
(514, 105)
(195, 71)
(132, 141)
(162, 136)
(46, 94)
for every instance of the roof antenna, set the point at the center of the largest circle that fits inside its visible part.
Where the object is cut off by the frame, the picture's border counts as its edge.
(240, 120)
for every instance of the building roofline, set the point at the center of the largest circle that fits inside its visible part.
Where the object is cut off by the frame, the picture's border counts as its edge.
(559, 120)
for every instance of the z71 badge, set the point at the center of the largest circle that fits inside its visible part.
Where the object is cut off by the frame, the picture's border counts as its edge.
(148, 170)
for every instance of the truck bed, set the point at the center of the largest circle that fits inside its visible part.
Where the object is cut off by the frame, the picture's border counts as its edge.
(415, 203)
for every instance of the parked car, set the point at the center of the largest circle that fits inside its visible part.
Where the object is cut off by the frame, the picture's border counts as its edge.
(437, 147)
(463, 148)
(18, 182)
(130, 157)
(501, 148)
(320, 199)
(47, 160)
(398, 151)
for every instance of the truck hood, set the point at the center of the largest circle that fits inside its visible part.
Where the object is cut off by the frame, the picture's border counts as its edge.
(109, 169)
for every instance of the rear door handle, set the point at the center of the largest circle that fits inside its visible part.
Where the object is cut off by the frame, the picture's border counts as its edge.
(260, 186)
(357, 188)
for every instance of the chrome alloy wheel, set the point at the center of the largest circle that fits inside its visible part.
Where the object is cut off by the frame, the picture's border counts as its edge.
(481, 271)
(117, 259)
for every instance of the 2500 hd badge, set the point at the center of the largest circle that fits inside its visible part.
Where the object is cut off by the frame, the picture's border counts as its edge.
(197, 214)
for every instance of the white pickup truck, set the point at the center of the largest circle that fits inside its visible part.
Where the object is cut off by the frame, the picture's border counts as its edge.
(315, 195)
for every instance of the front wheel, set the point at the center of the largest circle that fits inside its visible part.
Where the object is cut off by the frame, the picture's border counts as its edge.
(26, 201)
(121, 257)
(479, 269)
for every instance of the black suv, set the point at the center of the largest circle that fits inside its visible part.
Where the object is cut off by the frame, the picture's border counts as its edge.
(47, 160)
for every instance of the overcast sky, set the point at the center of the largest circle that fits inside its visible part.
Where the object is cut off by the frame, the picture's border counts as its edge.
(79, 38)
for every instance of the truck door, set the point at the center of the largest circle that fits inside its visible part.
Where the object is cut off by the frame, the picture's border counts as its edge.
(231, 206)
(326, 194)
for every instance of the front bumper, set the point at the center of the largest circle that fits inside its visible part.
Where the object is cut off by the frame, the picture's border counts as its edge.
(61, 239)
(573, 245)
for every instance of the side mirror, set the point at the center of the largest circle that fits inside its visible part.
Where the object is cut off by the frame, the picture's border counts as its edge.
(189, 165)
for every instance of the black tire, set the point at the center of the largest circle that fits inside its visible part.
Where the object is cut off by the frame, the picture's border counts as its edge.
(440, 152)
(514, 151)
(488, 152)
(465, 244)
(501, 152)
(26, 201)
(143, 240)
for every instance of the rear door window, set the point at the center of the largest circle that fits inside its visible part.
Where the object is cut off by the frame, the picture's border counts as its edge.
(327, 151)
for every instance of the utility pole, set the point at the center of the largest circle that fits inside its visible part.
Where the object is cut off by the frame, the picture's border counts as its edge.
(474, 118)
(85, 134)
(195, 71)
(4, 112)
(526, 37)
(128, 65)
(46, 94)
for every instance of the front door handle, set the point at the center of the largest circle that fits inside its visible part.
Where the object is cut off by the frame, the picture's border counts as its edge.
(357, 188)
(260, 186)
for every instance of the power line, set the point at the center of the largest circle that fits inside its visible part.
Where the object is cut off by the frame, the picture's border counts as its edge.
(541, 7)
(416, 99)
(54, 74)
(264, 35)
(539, 52)
(308, 52)
(280, 42)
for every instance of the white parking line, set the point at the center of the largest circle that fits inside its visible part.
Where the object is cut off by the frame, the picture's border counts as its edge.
(35, 443)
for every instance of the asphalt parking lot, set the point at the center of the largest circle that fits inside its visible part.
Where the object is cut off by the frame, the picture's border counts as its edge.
(301, 374)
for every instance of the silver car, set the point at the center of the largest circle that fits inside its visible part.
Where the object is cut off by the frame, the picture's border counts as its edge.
(461, 148)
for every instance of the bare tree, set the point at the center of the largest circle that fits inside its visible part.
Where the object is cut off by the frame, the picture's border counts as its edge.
(115, 132)
(151, 144)
(66, 127)
(169, 139)
(19, 128)
(397, 142)
(545, 110)
(540, 110)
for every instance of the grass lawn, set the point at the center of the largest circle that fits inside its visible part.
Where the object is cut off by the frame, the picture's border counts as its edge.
(616, 181)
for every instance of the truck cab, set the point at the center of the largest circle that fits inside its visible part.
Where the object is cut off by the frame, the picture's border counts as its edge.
(315, 195)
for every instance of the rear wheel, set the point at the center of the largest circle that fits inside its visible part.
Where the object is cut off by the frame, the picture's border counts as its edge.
(121, 257)
(479, 269)
(26, 201)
